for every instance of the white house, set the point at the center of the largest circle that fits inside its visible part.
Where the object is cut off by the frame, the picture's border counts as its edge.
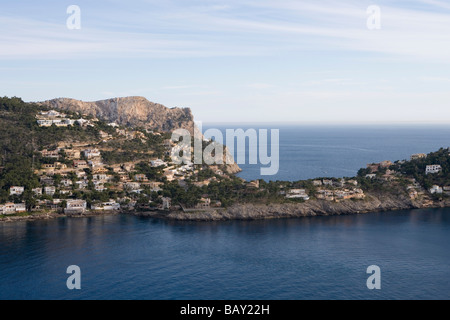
(111, 205)
(66, 182)
(157, 163)
(166, 203)
(12, 208)
(50, 190)
(297, 194)
(75, 207)
(132, 185)
(20, 207)
(92, 153)
(435, 168)
(436, 190)
(16, 190)
(44, 123)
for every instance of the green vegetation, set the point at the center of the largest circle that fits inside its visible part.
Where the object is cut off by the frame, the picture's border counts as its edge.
(416, 169)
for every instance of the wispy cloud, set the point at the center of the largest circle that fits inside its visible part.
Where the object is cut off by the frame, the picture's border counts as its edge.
(239, 28)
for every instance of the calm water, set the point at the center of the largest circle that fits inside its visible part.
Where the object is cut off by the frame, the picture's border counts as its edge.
(308, 152)
(124, 257)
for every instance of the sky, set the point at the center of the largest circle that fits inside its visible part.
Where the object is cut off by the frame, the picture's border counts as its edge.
(301, 61)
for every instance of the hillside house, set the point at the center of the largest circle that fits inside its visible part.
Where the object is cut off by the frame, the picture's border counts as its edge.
(16, 191)
(49, 190)
(436, 190)
(435, 168)
(37, 191)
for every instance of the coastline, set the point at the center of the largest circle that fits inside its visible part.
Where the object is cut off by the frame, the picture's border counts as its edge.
(252, 211)
(311, 208)
(55, 215)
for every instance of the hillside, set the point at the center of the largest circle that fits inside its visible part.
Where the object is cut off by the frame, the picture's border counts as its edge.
(129, 111)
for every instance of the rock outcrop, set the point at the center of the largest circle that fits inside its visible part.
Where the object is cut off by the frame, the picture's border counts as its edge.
(129, 111)
(137, 112)
(255, 211)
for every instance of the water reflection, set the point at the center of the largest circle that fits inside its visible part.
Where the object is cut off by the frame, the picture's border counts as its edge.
(126, 257)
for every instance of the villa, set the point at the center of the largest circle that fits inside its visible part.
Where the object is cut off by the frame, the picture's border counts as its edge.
(297, 194)
(16, 191)
(435, 168)
(75, 207)
(436, 190)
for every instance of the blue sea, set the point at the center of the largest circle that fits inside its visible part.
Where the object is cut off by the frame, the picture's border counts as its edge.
(126, 257)
(308, 151)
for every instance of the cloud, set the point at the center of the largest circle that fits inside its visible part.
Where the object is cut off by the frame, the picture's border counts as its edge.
(239, 28)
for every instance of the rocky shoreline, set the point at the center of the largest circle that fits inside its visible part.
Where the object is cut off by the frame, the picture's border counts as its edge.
(295, 210)
(54, 215)
(372, 204)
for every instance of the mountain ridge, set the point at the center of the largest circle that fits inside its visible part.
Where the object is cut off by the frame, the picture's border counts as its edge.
(133, 111)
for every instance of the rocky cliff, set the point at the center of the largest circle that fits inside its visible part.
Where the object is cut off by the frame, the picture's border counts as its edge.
(136, 112)
(129, 111)
(255, 211)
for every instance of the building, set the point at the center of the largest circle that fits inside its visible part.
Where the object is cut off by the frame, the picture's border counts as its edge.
(157, 163)
(75, 207)
(80, 164)
(297, 194)
(204, 203)
(317, 183)
(44, 123)
(371, 176)
(100, 187)
(418, 156)
(435, 168)
(49, 190)
(166, 203)
(92, 153)
(140, 177)
(374, 167)
(37, 191)
(253, 184)
(72, 154)
(12, 208)
(111, 205)
(50, 154)
(155, 186)
(47, 180)
(327, 182)
(132, 185)
(325, 195)
(436, 190)
(83, 184)
(340, 183)
(65, 191)
(66, 182)
(385, 164)
(100, 177)
(16, 191)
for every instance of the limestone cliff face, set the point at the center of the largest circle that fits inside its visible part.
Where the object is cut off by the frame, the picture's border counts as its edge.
(130, 111)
